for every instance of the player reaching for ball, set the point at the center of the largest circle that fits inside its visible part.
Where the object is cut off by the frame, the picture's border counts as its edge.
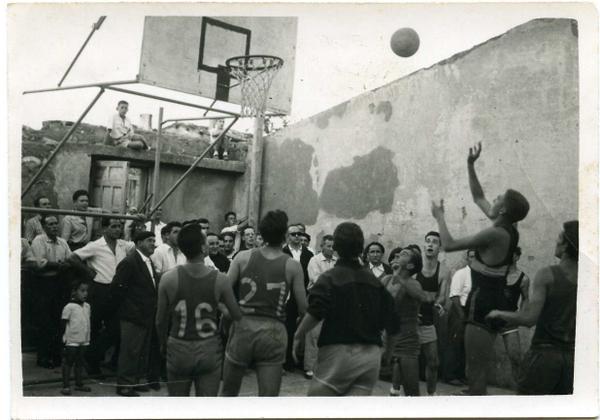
(265, 277)
(494, 249)
(186, 319)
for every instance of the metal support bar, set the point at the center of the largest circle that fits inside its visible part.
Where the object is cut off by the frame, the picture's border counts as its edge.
(197, 119)
(38, 210)
(88, 85)
(95, 27)
(173, 101)
(61, 144)
(141, 209)
(192, 167)
(156, 174)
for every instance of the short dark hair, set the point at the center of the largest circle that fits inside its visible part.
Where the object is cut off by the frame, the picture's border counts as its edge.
(190, 240)
(47, 216)
(348, 240)
(122, 102)
(80, 193)
(571, 236)
(202, 220)
(36, 202)
(433, 233)
(416, 260)
(78, 281)
(393, 253)
(169, 227)
(249, 227)
(230, 234)
(273, 227)
(105, 221)
(165, 230)
(516, 205)
(327, 238)
(142, 235)
(381, 247)
(229, 213)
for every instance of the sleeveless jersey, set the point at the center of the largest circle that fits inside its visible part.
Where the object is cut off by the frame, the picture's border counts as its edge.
(429, 284)
(556, 324)
(194, 316)
(488, 283)
(263, 288)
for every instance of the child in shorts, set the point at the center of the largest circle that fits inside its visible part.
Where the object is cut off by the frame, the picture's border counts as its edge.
(76, 337)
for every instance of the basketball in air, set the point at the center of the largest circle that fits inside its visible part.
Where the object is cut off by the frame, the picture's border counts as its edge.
(405, 42)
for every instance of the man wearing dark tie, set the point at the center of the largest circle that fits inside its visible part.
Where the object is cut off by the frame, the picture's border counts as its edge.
(135, 287)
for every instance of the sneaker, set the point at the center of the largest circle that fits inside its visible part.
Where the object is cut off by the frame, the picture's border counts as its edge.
(308, 374)
(394, 392)
(66, 391)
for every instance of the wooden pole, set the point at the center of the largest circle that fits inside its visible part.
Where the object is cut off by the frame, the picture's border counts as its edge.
(256, 158)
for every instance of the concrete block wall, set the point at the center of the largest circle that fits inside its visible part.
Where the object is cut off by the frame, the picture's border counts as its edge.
(381, 157)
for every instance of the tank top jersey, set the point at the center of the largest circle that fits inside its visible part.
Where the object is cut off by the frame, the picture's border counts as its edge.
(556, 324)
(488, 287)
(194, 316)
(263, 288)
(512, 293)
(429, 284)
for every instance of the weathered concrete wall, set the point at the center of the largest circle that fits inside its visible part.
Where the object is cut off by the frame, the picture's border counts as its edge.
(380, 158)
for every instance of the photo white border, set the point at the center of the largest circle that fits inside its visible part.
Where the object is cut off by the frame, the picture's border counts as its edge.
(584, 403)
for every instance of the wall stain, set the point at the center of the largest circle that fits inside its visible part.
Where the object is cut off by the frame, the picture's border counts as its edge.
(322, 119)
(289, 185)
(366, 185)
(385, 108)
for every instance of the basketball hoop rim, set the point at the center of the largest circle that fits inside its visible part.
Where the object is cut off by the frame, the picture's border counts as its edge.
(277, 62)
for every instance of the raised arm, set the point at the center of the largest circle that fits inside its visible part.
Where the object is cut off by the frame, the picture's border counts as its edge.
(475, 186)
(444, 282)
(414, 290)
(529, 314)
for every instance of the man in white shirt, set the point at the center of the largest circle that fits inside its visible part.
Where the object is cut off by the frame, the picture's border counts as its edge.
(168, 255)
(232, 225)
(158, 225)
(320, 263)
(103, 256)
(120, 130)
(460, 286)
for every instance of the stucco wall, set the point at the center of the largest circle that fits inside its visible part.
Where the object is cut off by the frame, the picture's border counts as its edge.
(380, 158)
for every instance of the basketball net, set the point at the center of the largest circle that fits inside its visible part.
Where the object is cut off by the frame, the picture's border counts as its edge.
(255, 74)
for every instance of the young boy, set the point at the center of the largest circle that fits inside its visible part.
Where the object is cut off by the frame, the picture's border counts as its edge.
(76, 326)
(120, 130)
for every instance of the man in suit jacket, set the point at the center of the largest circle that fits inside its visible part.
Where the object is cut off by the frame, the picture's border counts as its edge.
(300, 253)
(135, 288)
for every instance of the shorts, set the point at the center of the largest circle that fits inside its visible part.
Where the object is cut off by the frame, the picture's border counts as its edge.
(187, 359)
(405, 345)
(257, 340)
(510, 330)
(546, 370)
(341, 367)
(427, 334)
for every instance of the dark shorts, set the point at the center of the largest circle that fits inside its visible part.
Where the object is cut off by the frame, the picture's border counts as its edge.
(257, 340)
(187, 359)
(341, 367)
(405, 345)
(546, 371)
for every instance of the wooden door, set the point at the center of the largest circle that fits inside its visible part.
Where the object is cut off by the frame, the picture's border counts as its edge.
(109, 185)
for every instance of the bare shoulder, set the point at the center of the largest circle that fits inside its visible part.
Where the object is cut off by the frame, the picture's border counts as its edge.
(168, 278)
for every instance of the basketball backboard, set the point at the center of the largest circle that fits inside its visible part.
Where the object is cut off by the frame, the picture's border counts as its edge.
(188, 54)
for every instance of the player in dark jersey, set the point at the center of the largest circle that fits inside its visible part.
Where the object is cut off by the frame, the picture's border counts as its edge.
(266, 276)
(494, 249)
(547, 368)
(434, 278)
(186, 320)
(516, 293)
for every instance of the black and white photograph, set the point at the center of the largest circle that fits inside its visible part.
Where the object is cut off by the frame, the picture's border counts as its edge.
(377, 200)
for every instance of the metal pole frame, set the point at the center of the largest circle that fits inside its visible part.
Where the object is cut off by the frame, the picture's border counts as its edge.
(66, 137)
(156, 174)
(38, 210)
(192, 167)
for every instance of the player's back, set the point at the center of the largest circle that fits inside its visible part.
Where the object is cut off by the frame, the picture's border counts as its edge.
(263, 286)
(194, 315)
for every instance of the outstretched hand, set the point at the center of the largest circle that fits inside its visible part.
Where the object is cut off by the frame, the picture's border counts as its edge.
(437, 210)
(474, 153)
